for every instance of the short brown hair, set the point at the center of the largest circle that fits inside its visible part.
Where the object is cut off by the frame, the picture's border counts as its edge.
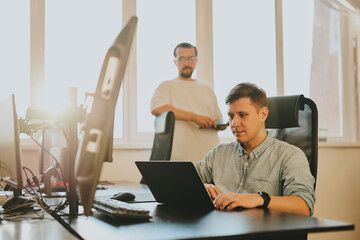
(250, 90)
(185, 45)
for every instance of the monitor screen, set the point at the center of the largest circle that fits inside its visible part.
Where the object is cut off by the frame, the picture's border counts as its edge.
(10, 164)
(98, 126)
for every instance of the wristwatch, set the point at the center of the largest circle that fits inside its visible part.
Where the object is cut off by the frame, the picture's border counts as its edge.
(266, 198)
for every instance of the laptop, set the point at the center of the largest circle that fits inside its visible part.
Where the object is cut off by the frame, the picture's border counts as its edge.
(175, 183)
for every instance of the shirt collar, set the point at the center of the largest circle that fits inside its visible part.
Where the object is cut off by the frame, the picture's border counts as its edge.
(259, 150)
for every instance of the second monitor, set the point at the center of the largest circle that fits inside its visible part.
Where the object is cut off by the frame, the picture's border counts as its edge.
(98, 127)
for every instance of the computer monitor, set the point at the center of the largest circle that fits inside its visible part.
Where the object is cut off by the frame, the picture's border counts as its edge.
(10, 164)
(98, 126)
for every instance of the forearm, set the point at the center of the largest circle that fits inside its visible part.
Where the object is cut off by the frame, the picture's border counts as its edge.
(203, 121)
(179, 114)
(293, 204)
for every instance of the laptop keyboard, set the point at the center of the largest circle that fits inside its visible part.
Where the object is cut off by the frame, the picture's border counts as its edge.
(118, 209)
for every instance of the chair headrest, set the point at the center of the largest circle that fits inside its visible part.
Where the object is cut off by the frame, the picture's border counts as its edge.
(163, 120)
(284, 111)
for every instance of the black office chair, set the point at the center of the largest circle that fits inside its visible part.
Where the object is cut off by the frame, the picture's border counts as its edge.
(294, 119)
(163, 139)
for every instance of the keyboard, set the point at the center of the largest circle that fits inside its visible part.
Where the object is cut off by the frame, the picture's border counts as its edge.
(120, 210)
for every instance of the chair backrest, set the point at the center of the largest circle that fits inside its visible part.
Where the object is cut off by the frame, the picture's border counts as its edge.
(163, 139)
(294, 119)
(164, 133)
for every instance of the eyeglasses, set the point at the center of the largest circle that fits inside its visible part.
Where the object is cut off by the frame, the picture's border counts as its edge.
(183, 59)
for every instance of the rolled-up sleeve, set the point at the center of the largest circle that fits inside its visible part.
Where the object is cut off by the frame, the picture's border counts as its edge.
(297, 179)
(204, 167)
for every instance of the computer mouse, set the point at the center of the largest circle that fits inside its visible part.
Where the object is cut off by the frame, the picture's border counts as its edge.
(124, 196)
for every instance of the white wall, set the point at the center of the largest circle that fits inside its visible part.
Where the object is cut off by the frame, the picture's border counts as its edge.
(123, 166)
(338, 186)
(338, 190)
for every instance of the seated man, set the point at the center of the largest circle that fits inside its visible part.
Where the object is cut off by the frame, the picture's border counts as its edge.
(257, 170)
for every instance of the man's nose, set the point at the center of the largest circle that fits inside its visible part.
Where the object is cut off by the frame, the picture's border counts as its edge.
(235, 121)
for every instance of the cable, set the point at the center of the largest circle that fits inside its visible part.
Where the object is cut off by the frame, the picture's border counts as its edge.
(38, 198)
(34, 178)
(61, 221)
(21, 216)
(15, 207)
(58, 165)
(57, 162)
(20, 204)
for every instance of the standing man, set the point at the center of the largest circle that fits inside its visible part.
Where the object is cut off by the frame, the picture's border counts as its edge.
(256, 170)
(194, 105)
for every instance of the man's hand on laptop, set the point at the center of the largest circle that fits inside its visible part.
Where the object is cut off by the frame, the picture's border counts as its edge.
(230, 201)
(212, 190)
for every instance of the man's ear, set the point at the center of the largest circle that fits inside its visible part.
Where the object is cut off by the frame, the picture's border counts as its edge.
(264, 112)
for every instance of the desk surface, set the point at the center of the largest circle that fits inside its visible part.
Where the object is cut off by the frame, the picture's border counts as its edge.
(170, 223)
(31, 226)
(176, 223)
(184, 223)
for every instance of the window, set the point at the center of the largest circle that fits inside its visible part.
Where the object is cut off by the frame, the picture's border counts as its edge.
(75, 48)
(238, 37)
(15, 53)
(298, 45)
(243, 52)
(162, 25)
(313, 59)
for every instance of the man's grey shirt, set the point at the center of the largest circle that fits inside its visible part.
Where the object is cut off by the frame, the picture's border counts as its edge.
(275, 167)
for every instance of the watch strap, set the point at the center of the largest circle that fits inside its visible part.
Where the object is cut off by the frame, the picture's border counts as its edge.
(266, 198)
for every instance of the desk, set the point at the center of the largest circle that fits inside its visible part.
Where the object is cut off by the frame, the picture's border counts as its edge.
(25, 227)
(184, 223)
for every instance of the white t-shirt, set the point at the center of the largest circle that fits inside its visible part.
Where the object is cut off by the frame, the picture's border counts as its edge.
(190, 142)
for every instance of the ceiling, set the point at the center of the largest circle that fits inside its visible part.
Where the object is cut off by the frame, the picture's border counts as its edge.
(355, 3)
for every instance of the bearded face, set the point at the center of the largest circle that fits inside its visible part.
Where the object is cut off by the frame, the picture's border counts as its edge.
(185, 61)
(186, 72)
